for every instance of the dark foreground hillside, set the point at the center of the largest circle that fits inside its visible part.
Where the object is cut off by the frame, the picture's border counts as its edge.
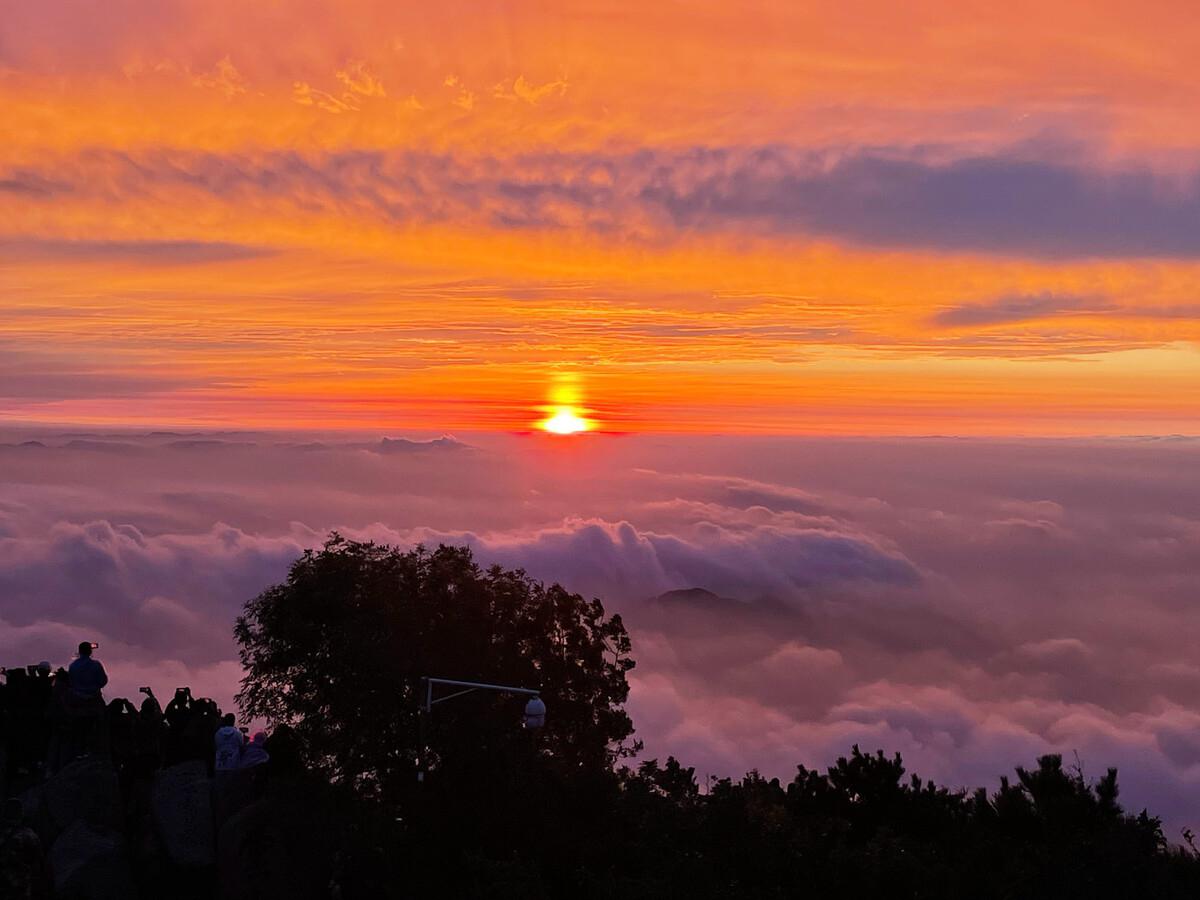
(860, 829)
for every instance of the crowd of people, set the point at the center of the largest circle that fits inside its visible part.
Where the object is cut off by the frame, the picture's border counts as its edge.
(49, 717)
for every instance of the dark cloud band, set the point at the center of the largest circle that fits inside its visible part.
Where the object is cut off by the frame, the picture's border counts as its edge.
(998, 204)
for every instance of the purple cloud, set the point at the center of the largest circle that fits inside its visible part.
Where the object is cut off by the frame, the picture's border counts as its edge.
(969, 603)
(1019, 308)
(1009, 204)
(155, 253)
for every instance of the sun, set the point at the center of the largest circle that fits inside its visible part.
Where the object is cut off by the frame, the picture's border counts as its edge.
(566, 420)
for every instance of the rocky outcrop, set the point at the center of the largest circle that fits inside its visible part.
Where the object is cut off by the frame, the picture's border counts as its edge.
(253, 859)
(90, 865)
(234, 791)
(84, 791)
(181, 806)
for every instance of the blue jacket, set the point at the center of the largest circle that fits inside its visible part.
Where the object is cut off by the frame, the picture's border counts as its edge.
(87, 677)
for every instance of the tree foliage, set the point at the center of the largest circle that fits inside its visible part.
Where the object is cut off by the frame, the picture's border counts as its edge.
(338, 650)
(861, 829)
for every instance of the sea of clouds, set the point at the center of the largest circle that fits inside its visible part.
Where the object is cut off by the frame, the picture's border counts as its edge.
(968, 603)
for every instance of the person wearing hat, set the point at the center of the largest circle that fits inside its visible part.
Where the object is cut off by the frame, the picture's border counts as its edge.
(86, 674)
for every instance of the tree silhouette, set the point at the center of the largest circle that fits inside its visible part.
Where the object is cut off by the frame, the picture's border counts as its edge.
(337, 651)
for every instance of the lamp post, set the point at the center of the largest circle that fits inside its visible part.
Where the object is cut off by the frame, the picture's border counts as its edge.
(535, 708)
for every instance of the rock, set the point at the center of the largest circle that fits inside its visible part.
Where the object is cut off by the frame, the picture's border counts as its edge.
(234, 791)
(253, 858)
(36, 816)
(86, 790)
(182, 808)
(90, 865)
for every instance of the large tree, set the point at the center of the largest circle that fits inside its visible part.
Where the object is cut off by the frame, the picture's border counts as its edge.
(338, 650)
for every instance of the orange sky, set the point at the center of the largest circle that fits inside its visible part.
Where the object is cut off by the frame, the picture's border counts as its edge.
(851, 218)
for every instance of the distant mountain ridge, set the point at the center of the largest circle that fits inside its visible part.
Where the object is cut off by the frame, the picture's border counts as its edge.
(696, 598)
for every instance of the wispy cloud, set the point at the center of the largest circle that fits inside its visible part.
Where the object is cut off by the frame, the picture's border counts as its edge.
(224, 77)
(1033, 307)
(522, 89)
(148, 252)
(1018, 308)
(357, 78)
(307, 95)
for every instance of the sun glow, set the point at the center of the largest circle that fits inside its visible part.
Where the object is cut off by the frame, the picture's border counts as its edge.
(565, 421)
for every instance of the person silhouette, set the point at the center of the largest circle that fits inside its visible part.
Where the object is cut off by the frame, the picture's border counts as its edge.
(86, 678)
(150, 728)
(41, 681)
(87, 674)
(59, 716)
(255, 753)
(21, 725)
(228, 742)
(255, 759)
(122, 719)
(178, 715)
(200, 731)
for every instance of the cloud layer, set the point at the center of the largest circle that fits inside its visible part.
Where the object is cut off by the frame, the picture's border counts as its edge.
(969, 603)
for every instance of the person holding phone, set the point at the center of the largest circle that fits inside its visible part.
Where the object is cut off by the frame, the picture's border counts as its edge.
(179, 716)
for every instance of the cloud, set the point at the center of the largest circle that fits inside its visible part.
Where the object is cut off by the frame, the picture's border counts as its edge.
(992, 204)
(166, 595)
(32, 380)
(224, 78)
(765, 562)
(357, 78)
(1019, 308)
(48, 375)
(23, 182)
(1030, 307)
(148, 252)
(744, 492)
(522, 89)
(307, 95)
(998, 204)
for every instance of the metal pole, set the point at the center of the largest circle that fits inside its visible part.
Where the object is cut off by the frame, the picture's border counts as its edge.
(423, 728)
(427, 702)
(473, 685)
